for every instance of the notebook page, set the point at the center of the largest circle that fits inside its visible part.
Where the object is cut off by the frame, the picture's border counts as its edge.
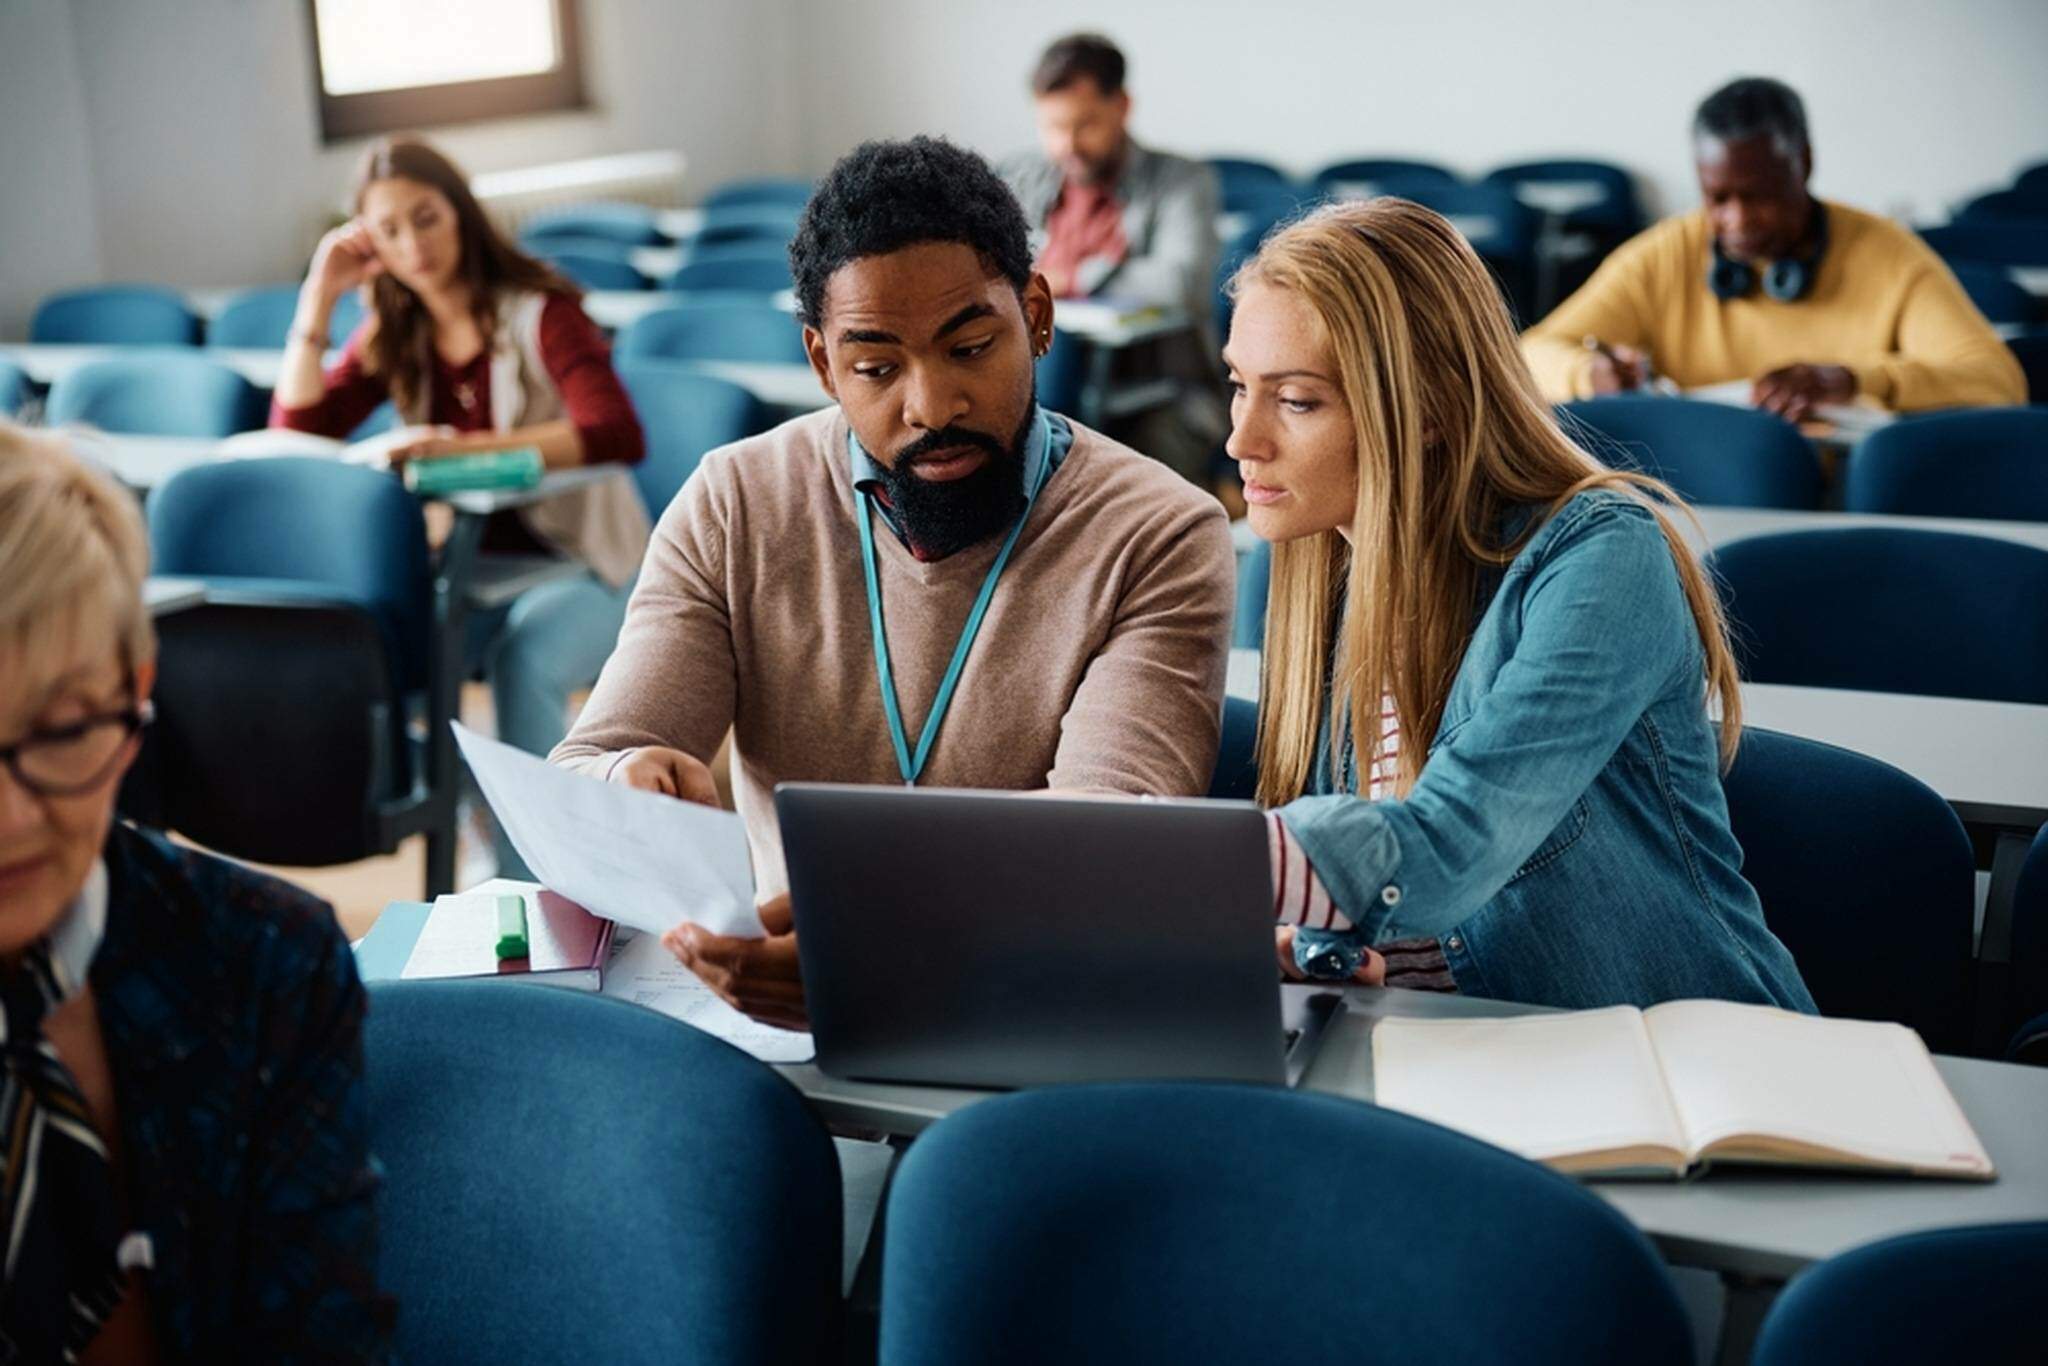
(1860, 1087)
(1544, 1086)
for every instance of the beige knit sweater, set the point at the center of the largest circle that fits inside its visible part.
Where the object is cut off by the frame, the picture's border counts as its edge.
(1099, 665)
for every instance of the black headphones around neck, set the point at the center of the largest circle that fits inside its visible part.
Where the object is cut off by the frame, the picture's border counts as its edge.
(1787, 281)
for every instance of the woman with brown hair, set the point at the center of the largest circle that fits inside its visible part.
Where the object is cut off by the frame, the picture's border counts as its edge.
(483, 348)
(1484, 725)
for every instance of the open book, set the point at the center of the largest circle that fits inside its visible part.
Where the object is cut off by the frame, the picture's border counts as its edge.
(1680, 1086)
(1848, 419)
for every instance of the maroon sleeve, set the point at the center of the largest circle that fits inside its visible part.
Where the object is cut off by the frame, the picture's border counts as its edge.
(579, 361)
(352, 395)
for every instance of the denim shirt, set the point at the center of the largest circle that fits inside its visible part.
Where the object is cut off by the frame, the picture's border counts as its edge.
(1568, 839)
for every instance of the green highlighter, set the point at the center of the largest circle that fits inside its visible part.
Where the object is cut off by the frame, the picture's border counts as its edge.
(511, 927)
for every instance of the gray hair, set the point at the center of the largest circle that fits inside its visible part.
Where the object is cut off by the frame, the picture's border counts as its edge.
(1755, 106)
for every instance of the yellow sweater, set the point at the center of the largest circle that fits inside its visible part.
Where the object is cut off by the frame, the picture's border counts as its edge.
(1884, 305)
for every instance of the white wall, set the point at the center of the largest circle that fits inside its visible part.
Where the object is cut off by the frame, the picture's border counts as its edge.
(178, 141)
(1912, 105)
(49, 223)
(207, 164)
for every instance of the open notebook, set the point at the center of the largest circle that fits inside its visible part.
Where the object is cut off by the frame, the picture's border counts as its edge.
(1680, 1086)
(1848, 419)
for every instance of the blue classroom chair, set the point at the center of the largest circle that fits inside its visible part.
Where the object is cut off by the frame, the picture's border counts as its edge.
(157, 393)
(2033, 182)
(1867, 876)
(1500, 227)
(733, 269)
(629, 225)
(1236, 775)
(115, 315)
(1254, 578)
(787, 191)
(261, 318)
(1890, 610)
(572, 1178)
(1246, 186)
(1995, 293)
(1153, 1223)
(1363, 177)
(1617, 210)
(2032, 354)
(2030, 953)
(1712, 453)
(2006, 206)
(1953, 1294)
(597, 271)
(759, 227)
(15, 389)
(1984, 462)
(1997, 242)
(684, 414)
(714, 331)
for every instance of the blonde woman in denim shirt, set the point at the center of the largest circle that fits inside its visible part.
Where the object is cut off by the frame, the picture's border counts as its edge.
(1520, 795)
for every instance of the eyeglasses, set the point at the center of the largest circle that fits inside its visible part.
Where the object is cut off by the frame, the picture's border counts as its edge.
(70, 761)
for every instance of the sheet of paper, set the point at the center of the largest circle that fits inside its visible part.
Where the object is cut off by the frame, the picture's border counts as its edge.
(460, 939)
(639, 858)
(646, 973)
(1852, 418)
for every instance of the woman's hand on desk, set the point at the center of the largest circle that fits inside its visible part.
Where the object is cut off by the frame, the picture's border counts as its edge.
(1372, 969)
(671, 772)
(758, 977)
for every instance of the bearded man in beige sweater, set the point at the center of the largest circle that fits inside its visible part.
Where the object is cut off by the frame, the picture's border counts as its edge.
(936, 582)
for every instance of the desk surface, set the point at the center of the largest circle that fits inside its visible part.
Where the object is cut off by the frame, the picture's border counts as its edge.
(1989, 760)
(46, 363)
(1722, 525)
(164, 594)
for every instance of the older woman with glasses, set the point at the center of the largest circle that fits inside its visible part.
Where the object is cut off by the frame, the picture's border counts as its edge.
(184, 1161)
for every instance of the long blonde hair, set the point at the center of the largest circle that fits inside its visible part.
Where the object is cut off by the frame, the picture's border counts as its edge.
(1451, 436)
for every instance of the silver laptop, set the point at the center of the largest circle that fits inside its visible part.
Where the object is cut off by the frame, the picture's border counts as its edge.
(1001, 939)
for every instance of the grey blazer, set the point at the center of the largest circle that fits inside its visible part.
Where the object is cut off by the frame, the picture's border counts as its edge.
(1169, 209)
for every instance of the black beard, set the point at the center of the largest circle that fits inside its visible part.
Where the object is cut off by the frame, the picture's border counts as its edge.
(941, 518)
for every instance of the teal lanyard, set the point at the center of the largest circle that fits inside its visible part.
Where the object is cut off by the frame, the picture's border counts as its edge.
(908, 764)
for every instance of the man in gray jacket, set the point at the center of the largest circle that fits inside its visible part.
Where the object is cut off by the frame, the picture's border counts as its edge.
(1117, 219)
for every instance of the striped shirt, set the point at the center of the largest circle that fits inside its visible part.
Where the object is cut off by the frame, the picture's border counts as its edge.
(1299, 897)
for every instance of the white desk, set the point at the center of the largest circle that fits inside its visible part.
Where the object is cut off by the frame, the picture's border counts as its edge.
(1989, 760)
(1722, 525)
(791, 387)
(46, 363)
(2033, 279)
(164, 594)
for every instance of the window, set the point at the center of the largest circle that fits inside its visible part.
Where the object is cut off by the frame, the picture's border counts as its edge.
(380, 65)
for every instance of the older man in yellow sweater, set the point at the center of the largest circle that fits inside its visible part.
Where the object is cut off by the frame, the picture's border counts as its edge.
(1813, 302)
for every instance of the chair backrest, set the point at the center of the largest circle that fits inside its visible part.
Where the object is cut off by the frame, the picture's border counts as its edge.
(1887, 610)
(1062, 372)
(2015, 206)
(1492, 219)
(116, 315)
(351, 532)
(1236, 775)
(158, 393)
(597, 271)
(279, 730)
(1995, 241)
(258, 318)
(765, 271)
(547, 245)
(1138, 1223)
(1867, 876)
(1986, 462)
(2030, 932)
(684, 414)
(715, 331)
(789, 191)
(14, 389)
(1995, 293)
(1712, 453)
(631, 225)
(1363, 177)
(1236, 171)
(1953, 1294)
(572, 1178)
(1254, 577)
(2032, 354)
(762, 227)
(1607, 195)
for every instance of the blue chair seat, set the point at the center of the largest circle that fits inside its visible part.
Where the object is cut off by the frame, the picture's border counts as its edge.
(631, 225)
(762, 271)
(597, 272)
(787, 191)
(684, 414)
(714, 331)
